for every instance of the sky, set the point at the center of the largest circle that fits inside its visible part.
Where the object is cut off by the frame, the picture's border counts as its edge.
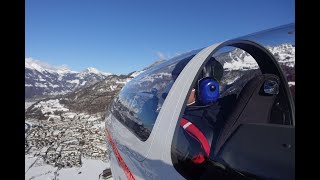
(121, 36)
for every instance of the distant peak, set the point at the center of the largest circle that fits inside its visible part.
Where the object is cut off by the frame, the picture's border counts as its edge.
(91, 70)
(95, 71)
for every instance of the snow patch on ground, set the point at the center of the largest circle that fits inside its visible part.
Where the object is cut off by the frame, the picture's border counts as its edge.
(76, 81)
(57, 93)
(89, 170)
(36, 169)
(101, 90)
(53, 85)
(113, 87)
(120, 82)
(93, 118)
(28, 104)
(50, 106)
(40, 85)
(99, 126)
(83, 83)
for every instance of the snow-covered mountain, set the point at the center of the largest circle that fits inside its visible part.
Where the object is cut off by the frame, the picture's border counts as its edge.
(44, 79)
(285, 53)
(92, 99)
(96, 98)
(238, 63)
(238, 59)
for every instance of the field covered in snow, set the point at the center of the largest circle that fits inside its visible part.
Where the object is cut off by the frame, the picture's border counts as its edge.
(65, 146)
(28, 104)
(36, 169)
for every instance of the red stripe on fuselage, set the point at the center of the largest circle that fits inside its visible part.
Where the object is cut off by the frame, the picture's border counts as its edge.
(119, 158)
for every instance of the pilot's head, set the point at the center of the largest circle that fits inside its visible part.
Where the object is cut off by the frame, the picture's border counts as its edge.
(206, 89)
(180, 66)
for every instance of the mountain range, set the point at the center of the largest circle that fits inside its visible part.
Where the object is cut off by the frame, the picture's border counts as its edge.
(92, 91)
(43, 79)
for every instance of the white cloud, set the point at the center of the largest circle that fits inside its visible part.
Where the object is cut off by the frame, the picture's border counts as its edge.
(41, 66)
(161, 55)
(35, 62)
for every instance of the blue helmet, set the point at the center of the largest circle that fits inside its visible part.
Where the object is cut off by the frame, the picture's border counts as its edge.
(208, 84)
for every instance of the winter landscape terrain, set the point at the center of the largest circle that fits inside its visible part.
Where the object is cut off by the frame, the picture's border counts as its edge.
(65, 110)
(64, 133)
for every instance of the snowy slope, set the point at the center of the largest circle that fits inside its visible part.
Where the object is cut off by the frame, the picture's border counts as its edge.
(285, 54)
(238, 59)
